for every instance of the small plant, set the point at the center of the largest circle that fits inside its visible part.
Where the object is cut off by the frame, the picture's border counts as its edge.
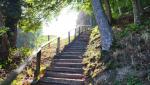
(130, 29)
(132, 80)
(16, 56)
(3, 30)
(117, 82)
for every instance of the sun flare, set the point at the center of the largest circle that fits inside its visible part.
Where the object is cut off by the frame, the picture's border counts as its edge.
(65, 22)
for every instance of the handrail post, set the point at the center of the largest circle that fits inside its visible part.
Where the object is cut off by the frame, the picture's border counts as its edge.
(38, 62)
(49, 40)
(68, 37)
(75, 33)
(79, 30)
(48, 37)
(58, 45)
(82, 29)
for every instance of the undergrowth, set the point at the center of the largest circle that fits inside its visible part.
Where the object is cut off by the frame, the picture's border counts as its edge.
(131, 49)
(92, 56)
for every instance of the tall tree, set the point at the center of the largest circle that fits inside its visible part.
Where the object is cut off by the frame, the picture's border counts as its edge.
(136, 12)
(104, 27)
(140, 7)
(12, 12)
(108, 10)
(3, 40)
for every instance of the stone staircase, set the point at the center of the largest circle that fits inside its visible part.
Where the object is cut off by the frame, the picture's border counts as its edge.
(66, 67)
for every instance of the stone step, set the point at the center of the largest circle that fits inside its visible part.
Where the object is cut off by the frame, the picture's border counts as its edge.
(68, 60)
(76, 46)
(65, 69)
(73, 50)
(62, 81)
(64, 75)
(45, 83)
(73, 65)
(79, 42)
(68, 57)
(71, 53)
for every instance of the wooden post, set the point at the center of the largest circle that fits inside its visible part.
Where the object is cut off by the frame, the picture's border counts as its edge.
(37, 70)
(83, 29)
(75, 33)
(58, 45)
(68, 37)
(48, 37)
(49, 40)
(79, 30)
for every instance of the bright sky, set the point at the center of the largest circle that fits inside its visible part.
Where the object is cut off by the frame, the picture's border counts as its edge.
(65, 22)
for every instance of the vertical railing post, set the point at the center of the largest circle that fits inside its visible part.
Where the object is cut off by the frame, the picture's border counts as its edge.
(82, 29)
(37, 70)
(58, 45)
(75, 33)
(48, 37)
(49, 40)
(68, 37)
(79, 30)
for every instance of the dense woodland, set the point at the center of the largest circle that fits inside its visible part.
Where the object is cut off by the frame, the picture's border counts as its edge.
(118, 24)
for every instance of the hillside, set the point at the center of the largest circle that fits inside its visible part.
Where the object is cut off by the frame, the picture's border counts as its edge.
(128, 61)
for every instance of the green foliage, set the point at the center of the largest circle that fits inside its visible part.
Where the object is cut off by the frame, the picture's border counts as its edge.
(19, 80)
(131, 28)
(117, 83)
(128, 29)
(129, 80)
(132, 80)
(16, 56)
(85, 6)
(23, 52)
(3, 30)
(93, 55)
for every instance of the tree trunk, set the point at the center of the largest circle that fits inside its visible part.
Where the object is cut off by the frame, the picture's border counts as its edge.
(140, 7)
(136, 12)
(104, 27)
(108, 10)
(12, 13)
(11, 23)
(4, 45)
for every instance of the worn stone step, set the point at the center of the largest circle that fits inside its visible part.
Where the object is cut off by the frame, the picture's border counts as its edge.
(68, 60)
(45, 83)
(78, 42)
(72, 53)
(68, 57)
(66, 69)
(77, 46)
(64, 75)
(62, 81)
(73, 65)
(73, 50)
